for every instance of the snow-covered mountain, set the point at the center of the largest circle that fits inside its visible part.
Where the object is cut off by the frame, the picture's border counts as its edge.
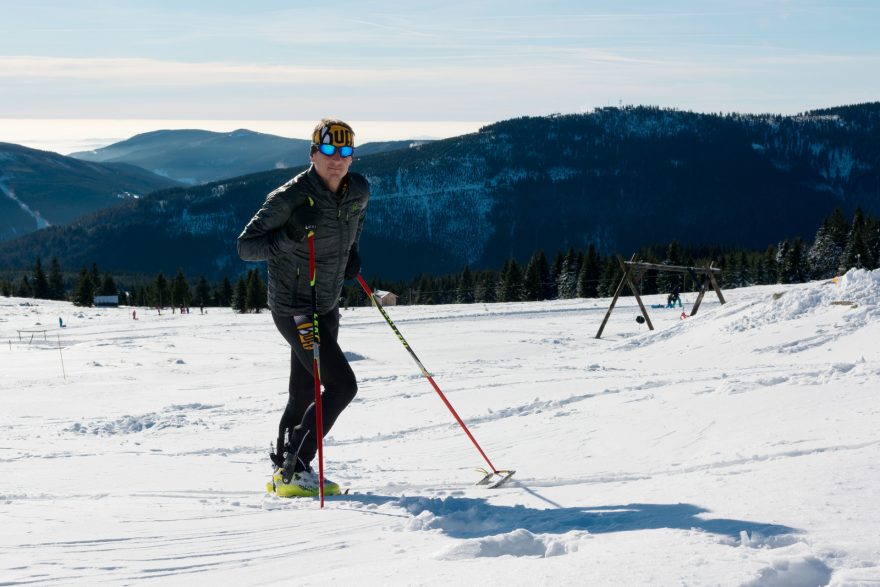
(40, 189)
(616, 178)
(735, 447)
(201, 156)
(623, 178)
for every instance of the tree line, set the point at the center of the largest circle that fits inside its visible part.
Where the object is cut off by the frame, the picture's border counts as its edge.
(160, 292)
(839, 245)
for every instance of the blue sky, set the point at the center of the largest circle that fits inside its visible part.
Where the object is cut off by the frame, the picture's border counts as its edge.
(429, 61)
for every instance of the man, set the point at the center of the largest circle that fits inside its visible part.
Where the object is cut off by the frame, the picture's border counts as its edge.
(332, 202)
(674, 296)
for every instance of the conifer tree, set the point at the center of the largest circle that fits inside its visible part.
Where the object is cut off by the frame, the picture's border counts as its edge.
(548, 284)
(760, 271)
(485, 287)
(161, 295)
(665, 280)
(771, 265)
(730, 271)
(736, 270)
(872, 239)
(96, 276)
(56, 281)
(256, 291)
(40, 283)
(498, 282)
(533, 288)
(464, 293)
(566, 279)
(610, 278)
(352, 296)
(553, 275)
(510, 283)
(203, 292)
(24, 289)
(108, 286)
(142, 296)
(239, 298)
(180, 294)
(226, 292)
(479, 288)
(856, 253)
(825, 253)
(745, 270)
(84, 291)
(794, 262)
(425, 290)
(782, 253)
(685, 280)
(448, 289)
(588, 280)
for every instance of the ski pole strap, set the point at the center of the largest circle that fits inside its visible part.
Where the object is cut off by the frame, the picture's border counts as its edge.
(311, 237)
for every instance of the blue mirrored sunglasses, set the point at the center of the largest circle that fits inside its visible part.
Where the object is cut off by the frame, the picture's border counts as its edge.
(330, 150)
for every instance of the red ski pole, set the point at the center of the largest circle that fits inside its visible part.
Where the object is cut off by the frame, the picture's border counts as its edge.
(504, 474)
(316, 366)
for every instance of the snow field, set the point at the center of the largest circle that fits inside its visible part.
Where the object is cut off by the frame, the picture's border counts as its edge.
(736, 447)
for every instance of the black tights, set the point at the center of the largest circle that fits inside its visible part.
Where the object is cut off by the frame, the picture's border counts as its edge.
(337, 379)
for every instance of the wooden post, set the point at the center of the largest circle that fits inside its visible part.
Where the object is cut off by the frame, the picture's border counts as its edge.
(614, 299)
(63, 370)
(715, 285)
(703, 283)
(635, 291)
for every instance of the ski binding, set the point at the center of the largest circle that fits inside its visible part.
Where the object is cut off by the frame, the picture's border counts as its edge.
(494, 479)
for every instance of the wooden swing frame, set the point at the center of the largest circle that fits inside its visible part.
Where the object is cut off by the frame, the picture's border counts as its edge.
(633, 271)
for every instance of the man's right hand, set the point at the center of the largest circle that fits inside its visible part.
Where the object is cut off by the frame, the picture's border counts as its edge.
(301, 220)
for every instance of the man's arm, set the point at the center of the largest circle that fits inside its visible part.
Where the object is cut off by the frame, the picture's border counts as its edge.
(265, 235)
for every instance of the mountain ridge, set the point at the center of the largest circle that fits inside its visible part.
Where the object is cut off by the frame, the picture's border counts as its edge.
(41, 188)
(195, 156)
(617, 178)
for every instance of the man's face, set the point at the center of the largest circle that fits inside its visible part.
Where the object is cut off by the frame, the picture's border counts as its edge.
(329, 163)
(331, 168)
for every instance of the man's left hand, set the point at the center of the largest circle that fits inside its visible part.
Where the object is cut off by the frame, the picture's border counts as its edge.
(353, 266)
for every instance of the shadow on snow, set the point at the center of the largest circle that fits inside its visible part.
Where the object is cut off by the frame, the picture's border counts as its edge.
(460, 517)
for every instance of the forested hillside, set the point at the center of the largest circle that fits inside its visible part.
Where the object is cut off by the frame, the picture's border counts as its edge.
(617, 179)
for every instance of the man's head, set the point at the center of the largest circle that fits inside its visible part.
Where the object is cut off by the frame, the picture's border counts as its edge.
(332, 132)
(331, 151)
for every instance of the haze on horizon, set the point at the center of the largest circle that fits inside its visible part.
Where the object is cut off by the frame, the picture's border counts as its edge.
(425, 64)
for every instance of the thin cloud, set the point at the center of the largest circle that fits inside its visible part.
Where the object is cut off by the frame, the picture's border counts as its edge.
(811, 59)
(155, 71)
(166, 72)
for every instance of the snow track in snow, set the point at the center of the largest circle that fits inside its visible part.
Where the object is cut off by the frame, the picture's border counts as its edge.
(735, 447)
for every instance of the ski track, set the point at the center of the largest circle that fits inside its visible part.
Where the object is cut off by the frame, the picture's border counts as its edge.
(480, 528)
(729, 442)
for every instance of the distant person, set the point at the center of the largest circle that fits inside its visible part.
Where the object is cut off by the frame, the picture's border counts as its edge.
(134, 315)
(60, 322)
(674, 296)
(333, 201)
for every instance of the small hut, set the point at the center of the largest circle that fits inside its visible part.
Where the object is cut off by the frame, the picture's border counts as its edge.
(386, 298)
(106, 301)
